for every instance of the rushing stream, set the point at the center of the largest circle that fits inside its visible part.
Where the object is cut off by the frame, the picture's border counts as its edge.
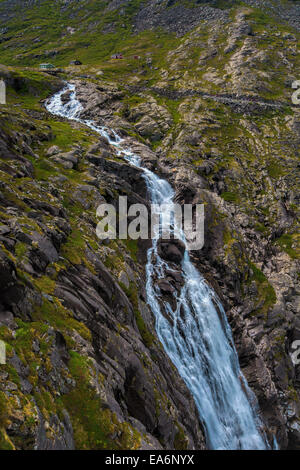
(198, 338)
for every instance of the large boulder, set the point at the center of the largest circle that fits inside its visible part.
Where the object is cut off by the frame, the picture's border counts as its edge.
(171, 250)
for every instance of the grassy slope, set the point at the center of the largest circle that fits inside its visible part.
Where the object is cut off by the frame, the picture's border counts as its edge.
(34, 34)
(44, 28)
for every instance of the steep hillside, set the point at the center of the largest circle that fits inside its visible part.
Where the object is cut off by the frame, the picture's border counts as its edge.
(39, 30)
(208, 105)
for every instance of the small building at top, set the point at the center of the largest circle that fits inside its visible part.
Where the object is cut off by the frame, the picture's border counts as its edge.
(119, 55)
(47, 66)
(2, 92)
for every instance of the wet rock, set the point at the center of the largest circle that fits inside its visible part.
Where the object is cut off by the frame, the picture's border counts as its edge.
(4, 230)
(65, 97)
(171, 250)
(165, 287)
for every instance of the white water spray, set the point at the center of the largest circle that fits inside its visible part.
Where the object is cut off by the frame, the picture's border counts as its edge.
(196, 334)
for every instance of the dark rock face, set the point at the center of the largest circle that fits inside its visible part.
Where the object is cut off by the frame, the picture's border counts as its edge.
(11, 290)
(63, 442)
(177, 18)
(124, 171)
(290, 13)
(131, 388)
(172, 250)
(65, 98)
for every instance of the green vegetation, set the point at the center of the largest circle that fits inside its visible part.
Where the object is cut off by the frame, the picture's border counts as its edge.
(132, 247)
(94, 425)
(73, 249)
(21, 249)
(275, 170)
(5, 442)
(27, 86)
(180, 441)
(132, 294)
(66, 133)
(230, 197)
(287, 243)
(266, 293)
(95, 37)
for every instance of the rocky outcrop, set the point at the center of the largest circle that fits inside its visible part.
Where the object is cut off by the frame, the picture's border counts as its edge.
(175, 18)
(171, 250)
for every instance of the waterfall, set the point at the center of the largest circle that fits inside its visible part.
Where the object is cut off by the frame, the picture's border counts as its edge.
(195, 334)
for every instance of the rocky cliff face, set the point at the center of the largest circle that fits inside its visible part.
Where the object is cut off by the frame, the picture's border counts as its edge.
(209, 109)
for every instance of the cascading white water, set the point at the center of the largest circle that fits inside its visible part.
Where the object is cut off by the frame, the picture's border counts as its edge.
(198, 338)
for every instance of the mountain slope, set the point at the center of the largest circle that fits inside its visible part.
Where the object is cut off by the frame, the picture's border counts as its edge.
(208, 106)
(32, 31)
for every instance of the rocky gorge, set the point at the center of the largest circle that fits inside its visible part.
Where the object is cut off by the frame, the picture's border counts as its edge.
(85, 368)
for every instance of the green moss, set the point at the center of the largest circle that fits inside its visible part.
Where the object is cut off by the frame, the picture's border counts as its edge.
(5, 442)
(148, 338)
(44, 170)
(180, 441)
(275, 170)
(132, 247)
(286, 243)
(266, 293)
(230, 197)
(93, 424)
(261, 228)
(293, 393)
(4, 415)
(258, 275)
(13, 197)
(5, 333)
(46, 403)
(73, 250)
(56, 315)
(45, 284)
(132, 294)
(229, 241)
(67, 134)
(172, 106)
